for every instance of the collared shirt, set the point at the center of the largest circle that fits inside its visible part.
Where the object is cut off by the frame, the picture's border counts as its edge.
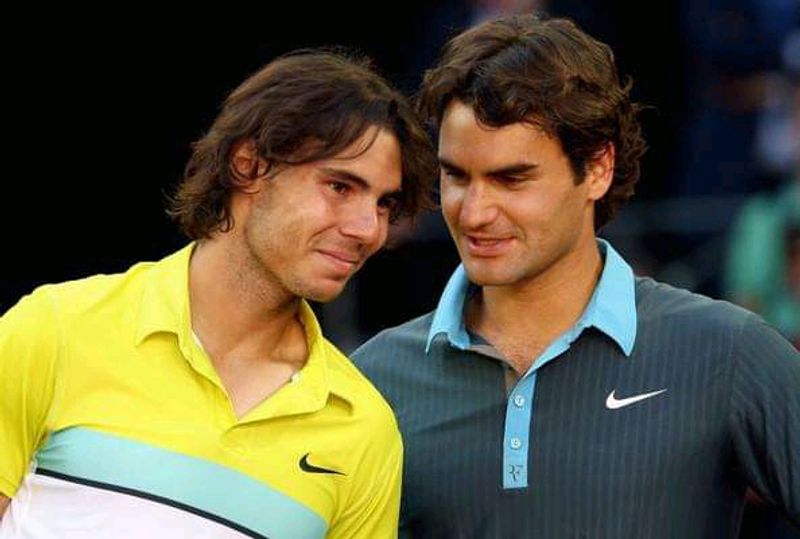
(108, 404)
(647, 418)
(611, 309)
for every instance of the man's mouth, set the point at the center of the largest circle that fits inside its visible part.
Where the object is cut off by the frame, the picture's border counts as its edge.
(487, 246)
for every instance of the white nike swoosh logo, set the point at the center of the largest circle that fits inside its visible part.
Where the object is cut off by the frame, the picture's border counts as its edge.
(612, 403)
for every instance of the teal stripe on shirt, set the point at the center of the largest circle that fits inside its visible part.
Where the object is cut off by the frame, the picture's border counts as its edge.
(201, 484)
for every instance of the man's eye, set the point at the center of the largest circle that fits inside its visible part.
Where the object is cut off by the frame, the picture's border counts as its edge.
(451, 175)
(509, 180)
(339, 187)
(388, 203)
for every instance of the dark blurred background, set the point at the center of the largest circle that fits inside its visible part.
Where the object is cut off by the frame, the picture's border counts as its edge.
(105, 103)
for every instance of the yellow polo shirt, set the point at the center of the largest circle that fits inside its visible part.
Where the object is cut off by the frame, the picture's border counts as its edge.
(114, 423)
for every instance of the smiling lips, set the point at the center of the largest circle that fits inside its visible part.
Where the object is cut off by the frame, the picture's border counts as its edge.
(344, 261)
(482, 246)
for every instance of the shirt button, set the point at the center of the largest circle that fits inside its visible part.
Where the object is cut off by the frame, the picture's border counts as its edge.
(516, 443)
(519, 401)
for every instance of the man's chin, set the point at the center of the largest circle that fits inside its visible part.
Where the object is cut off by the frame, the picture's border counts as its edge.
(484, 275)
(324, 293)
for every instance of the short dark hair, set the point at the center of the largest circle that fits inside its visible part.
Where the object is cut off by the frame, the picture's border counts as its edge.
(302, 107)
(550, 73)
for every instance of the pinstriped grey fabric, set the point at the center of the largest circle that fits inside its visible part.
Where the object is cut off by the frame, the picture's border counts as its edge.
(672, 465)
(756, 394)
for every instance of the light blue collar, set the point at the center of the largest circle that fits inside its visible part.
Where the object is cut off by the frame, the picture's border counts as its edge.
(612, 308)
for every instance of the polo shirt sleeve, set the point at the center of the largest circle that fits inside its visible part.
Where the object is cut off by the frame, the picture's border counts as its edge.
(28, 352)
(373, 509)
(765, 414)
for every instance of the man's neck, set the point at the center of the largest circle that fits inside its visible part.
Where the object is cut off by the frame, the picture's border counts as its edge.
(235, 308)
(523, 319)
(248, 325)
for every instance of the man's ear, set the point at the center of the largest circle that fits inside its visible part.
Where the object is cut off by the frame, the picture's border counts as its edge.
(600, 172)
(246, 166)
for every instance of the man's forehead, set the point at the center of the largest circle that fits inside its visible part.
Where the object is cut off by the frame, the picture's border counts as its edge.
(377, 164)
(489, 152)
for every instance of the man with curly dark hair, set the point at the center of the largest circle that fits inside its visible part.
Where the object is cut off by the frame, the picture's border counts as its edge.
(196, 396)
(552, 393)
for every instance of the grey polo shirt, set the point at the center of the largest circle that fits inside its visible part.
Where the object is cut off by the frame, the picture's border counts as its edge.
(648, 418)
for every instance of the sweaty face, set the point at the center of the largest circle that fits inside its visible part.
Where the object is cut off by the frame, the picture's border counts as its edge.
(310, 227)
(510, 200)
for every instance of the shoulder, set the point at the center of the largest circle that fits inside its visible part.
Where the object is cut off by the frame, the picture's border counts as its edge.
(661, 303)
(395, 361)
(666, 313)
(407, 340)
(69, 300)
(366, 403)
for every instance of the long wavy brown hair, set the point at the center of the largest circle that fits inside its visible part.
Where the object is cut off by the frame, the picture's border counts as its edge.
(302, 107)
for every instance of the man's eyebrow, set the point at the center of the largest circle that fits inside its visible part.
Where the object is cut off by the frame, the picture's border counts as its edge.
(444, 163)
(513, 170)
(510, 170)
(346, 175)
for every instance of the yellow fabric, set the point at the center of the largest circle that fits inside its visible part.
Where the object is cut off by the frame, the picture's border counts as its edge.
(116, 354)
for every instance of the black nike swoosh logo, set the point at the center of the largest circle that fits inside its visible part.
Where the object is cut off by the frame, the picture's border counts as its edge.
(310, 468)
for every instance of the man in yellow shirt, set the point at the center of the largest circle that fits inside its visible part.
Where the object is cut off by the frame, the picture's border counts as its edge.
(196, 396)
